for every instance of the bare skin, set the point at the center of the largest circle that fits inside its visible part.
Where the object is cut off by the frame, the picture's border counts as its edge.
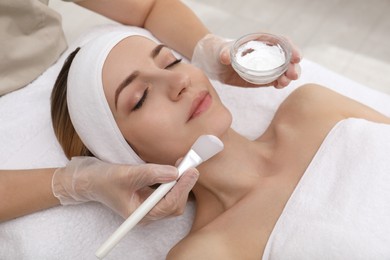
(239, 204)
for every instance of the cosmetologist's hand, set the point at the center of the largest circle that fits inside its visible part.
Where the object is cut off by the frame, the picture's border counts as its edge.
(212, 54)
(122, 188)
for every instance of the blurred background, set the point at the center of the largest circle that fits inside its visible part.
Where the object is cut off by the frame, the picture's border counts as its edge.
(349, 37)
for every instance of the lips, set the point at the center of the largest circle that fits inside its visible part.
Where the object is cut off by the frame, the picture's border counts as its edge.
(200, 104)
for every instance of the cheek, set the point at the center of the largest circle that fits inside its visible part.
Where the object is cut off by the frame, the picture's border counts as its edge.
(226, 119)
(219, 122)
(162, 136)
(155, 137)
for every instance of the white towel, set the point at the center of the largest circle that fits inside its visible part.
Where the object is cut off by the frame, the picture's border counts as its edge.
(341, 207)
(75, 232)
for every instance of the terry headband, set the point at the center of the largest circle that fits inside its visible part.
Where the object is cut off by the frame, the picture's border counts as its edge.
(87, 104)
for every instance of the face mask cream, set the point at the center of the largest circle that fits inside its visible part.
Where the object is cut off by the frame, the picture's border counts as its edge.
(256, 55)
(260, 58)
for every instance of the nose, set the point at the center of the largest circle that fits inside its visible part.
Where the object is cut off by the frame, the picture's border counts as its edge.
(175, 84)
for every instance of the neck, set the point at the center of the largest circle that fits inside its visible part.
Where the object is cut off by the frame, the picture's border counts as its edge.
(229, 176)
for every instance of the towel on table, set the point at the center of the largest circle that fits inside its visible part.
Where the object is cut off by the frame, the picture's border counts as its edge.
(75, 232)
(341, 206)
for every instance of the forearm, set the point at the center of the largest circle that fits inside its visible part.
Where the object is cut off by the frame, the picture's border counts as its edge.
(170, 21)
(25, 191)
(176, 25)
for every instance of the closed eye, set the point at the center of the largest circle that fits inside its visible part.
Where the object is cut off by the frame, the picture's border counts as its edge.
(141, 100)
(173, 63)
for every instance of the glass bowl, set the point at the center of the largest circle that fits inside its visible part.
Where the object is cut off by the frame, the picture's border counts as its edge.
(260, 76)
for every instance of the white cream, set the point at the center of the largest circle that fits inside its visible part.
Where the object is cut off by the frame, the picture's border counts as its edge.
(256, 55)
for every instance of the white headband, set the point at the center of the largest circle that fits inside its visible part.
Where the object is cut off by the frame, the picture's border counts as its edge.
(87, 104)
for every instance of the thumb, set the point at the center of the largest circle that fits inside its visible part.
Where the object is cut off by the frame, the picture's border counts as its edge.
(150, 174)
(224, 55)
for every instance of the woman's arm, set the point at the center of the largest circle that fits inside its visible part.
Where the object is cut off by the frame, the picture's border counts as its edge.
(169, 20)
(25, 191)
(88, 179)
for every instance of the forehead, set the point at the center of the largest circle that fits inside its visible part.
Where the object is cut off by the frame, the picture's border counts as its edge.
(129, 51)
(124, 58)
(131, 45)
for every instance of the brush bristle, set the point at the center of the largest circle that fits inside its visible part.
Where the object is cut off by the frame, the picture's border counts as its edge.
(207, 146)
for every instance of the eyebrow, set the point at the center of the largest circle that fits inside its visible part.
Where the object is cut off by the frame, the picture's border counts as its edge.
(125, 83)
(135, 74)
(157, 50)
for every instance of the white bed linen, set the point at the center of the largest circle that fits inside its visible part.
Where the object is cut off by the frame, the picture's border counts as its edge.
(75, 232)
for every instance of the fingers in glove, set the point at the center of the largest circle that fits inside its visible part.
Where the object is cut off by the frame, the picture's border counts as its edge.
(297, 69)
(224, 55)
(150, 174)
(282, 82)
(295, 53)
(173, 204)
(292, 71)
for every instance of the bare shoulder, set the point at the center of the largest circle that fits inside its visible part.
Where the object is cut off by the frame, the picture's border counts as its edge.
(199, 246)
(192, 247)
(312, 96)
(307, 102)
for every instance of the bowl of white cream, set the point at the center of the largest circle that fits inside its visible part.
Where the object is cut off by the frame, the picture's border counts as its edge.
(260, 58)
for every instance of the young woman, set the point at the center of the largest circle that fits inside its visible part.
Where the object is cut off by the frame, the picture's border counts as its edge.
(160, 105)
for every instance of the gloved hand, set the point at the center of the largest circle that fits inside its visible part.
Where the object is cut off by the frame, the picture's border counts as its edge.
(212, 54)
(122, 188)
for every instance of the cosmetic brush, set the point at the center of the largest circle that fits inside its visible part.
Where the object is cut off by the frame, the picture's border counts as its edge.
(205, 147)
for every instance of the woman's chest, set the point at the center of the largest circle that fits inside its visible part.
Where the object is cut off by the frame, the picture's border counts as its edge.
(243, 230)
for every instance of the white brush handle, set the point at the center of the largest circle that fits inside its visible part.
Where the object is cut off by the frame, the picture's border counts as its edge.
(134, 218)
(190, 160)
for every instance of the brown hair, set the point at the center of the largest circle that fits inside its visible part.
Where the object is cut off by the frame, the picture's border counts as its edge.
(62, 125)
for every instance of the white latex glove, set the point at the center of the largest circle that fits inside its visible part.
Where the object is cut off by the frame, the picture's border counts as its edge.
(212, 55)
(122, 188)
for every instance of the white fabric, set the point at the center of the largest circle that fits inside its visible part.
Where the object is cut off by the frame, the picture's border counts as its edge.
(75, 232)
(341, 207)
(87, 103)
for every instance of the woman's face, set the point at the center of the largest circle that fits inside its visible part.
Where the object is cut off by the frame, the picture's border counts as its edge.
(160, 104)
